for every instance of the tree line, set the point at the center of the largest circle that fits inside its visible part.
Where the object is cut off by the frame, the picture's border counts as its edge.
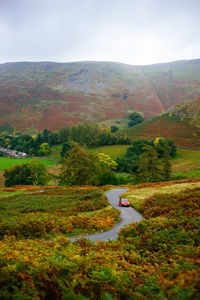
(88, 134)
(147, 161)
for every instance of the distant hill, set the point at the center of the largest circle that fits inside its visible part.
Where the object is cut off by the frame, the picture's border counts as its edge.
(50, 95)
(181, 123)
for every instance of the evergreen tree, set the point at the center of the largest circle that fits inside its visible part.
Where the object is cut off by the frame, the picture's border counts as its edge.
(137, 147)
(45, 135)
(63, 135)
(161, 143)
(7, 127)
(66, 147)
(149, 166)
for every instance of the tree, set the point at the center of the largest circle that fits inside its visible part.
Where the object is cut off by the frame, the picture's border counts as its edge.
(106, 167)
(108, 177)
(32, 173)
(123, 164)
(17, 175)
(114, 128)
(167, 165)
(129, 163)
(161, 144)
(172, 147)
(149, 166)
(66, 147)
(44, 149)
(80, 167)
(137, 147)
(136, 118)
(7, 127)
(63, 135)
(106, 162)
(45, 135)
(39, 174)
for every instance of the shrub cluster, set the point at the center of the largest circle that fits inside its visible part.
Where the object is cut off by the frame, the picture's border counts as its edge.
(69, 211)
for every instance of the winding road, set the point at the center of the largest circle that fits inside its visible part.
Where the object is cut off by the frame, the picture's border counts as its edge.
(128, 215)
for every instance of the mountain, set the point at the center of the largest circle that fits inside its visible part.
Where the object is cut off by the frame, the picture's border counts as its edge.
(38, 95)
(181, 123)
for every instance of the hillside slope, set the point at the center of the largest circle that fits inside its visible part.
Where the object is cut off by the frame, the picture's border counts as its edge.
(181, 123)
(51, 95)
(157, 258)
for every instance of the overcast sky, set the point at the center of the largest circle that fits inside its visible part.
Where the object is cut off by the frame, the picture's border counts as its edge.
(129, 31)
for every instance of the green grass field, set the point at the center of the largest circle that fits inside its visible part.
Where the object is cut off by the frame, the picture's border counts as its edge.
(186, 160)
(6, 163)
(186, 174)
(55, 152)
(114, 151)
(186, 164)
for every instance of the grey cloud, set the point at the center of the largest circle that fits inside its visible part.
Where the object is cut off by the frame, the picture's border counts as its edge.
(122, 30)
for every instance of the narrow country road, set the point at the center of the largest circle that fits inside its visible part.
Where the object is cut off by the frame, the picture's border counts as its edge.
(128, 215)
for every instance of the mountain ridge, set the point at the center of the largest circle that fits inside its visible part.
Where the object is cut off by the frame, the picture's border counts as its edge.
(38, 95)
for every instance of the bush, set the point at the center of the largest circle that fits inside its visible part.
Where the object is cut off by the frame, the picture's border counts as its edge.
(33, 173)
(136, 118)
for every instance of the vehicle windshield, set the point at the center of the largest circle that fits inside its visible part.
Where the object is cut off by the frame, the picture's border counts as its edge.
(124, 200)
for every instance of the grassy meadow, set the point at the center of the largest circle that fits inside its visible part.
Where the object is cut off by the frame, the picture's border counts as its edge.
(186, 164)
(114, 151)
(6, 162)
(55, 152)
(156, 259)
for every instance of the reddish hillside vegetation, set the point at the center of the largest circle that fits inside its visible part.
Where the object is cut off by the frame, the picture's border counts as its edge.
(181, 123)
(51, 95)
